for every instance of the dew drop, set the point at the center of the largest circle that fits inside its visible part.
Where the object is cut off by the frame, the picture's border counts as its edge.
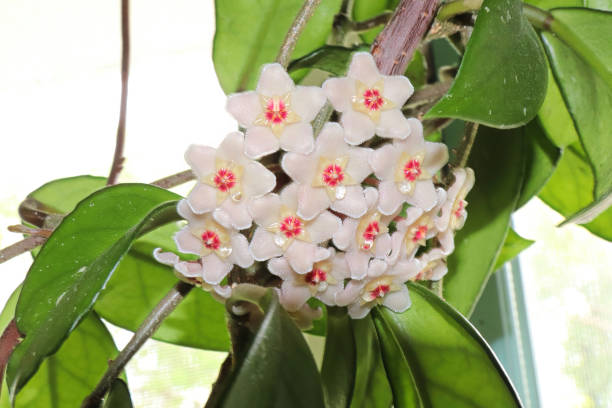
(340, 192)
(405, 187)
(237, 196)
(322, 286)
(225, 251)
(367, 244)
(280, 239)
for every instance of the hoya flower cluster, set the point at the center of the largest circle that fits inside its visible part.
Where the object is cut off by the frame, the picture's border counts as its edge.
(361, 213)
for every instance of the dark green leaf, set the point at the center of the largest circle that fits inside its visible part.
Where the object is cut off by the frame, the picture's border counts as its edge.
(502, 79)
(277, 369)
(339, 365)
(541, 157)
(548, 4)
(586, 86)
(372, 388)
(570, 189)
(498, 162)
(453, 362)
(75, 263)
(417, 70)
(249, 34)
(405, 383)
(513, 245)
(118, 396)
(329, 58)
(62, 195)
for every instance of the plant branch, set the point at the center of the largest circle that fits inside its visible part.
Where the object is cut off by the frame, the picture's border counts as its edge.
(464, 149)
(118, 158)
(307, 10)
(175, 179)
(366, 25)
(395, 45)
(453, 8)
(18, 248)
(144, 332)
(10, 338)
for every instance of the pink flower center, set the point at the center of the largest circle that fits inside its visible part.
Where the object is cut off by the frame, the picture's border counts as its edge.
(291, 226)
(371, 231)
(372, 99)
(412, 170)
(276, 111)
(315, 276)
(211, 240)
(420, 232)
(460, 210)
(225, 179)
(379, 291)
(333, 175)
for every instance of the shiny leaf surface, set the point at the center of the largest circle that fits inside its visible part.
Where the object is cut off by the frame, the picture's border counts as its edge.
(513, 245)
(339, 365)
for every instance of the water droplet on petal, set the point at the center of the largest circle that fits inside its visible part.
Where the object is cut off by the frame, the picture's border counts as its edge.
(405, 187)
(237, 196)
(280, 240)
(225, 251)
(367, 244)
(340, 192)
(323, 286)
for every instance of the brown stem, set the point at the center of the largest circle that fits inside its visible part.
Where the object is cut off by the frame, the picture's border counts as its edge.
(22, 229)
(395, 45)
(366, 25)
(10, 338)
(423, 99)
(18, 248)
(175, 179)
(307, 10)
(118, 158)
(464, 149)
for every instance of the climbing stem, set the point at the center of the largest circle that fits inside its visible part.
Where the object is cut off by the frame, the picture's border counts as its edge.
(307, 10)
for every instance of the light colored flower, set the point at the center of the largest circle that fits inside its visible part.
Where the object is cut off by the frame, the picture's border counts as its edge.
(414, 230)
(406, 168)
(277, 114)
(220, 248)
(330, 176)
(383, 285)
(227, 181)
(432, 265)
(304, 316)
(192, 272)
(453, 213)
(322, 282)
(281, 231)
(365, 237)
(370, 103)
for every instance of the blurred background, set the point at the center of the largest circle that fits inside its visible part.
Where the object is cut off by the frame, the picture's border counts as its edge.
(59, 105)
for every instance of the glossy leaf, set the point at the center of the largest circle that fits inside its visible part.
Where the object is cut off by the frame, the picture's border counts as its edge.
(513, 245)
(587, 91)
(498, 162)
(249, 34)
(62, 195)
(541, 157)
(277, 369)
(570, 189)
(454, 364)
(75, 263)
(329, 58)
(405, 383)
(502, 79)
(118, 396)
(372, 388)
(339, 360)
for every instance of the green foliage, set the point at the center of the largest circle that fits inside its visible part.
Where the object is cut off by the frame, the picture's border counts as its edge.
(503, 85)
(75, 263)
(249, 34)
(339, 360)
(329, 58)
(449, 359)
(62, 195)
(276, 369)
(118, 396)
(498, 162)
(513, 245)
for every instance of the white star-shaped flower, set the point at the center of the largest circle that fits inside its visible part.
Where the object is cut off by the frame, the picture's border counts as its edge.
(277, 114)
(370, 103)
(227, 181)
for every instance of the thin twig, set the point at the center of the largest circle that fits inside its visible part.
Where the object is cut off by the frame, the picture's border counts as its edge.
(464, 149)
(22, 229)
(175, 179)
(144, 332)
(366, 25)
(118, 158)
(307, 10)
(9, 339)
(18, 248)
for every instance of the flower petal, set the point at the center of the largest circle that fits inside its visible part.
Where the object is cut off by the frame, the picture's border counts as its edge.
(232, 148)
(353, 204)
(300, 256)
(323, 227)
(214, 269)
(330, 142)
(383, 245)
(340, 92)
(265, 210)
(201, 159)
(262, 245)
(289, 196)
(299, 167)
(393, 124)
(358, 165)
(274, 81)
(371, 196)
(359, 311)
(384, 160)
(364, 68)
(190, 269)
(279, 267)
(240, 251)
(307, 101)
(424, 195)
(345, 235)
(257, 180)
(187, 243)
(312, 201)
(358, 263)
(397, 89)
(377, 267)
(297, 138)
(260, 141)
(447, 241)
(293, 297)
(357, 127)
(244, 107)
(406, 269)
(166, 258)
(234, 215)
(398, 301)
(436, 156)
(202, 199)
(350, 293)
(390, 198)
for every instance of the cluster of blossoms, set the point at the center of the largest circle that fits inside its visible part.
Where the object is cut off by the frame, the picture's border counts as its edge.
(354, 223)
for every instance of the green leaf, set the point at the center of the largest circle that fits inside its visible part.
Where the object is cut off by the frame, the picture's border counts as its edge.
(586, 85)
(277, 369)
(548, 4)
(372, 388)
(62, 195)
(498, 162)
(339, 365)
(454, 364)
(249, 34)
(75, 263)
(502, 79)
(570, 189)
(140, 282)
(118, 396)
(513, 245)
(541, 157)
(417, 70)
(329, 58)
(366, 9)
(68, 376)
(405, 383)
